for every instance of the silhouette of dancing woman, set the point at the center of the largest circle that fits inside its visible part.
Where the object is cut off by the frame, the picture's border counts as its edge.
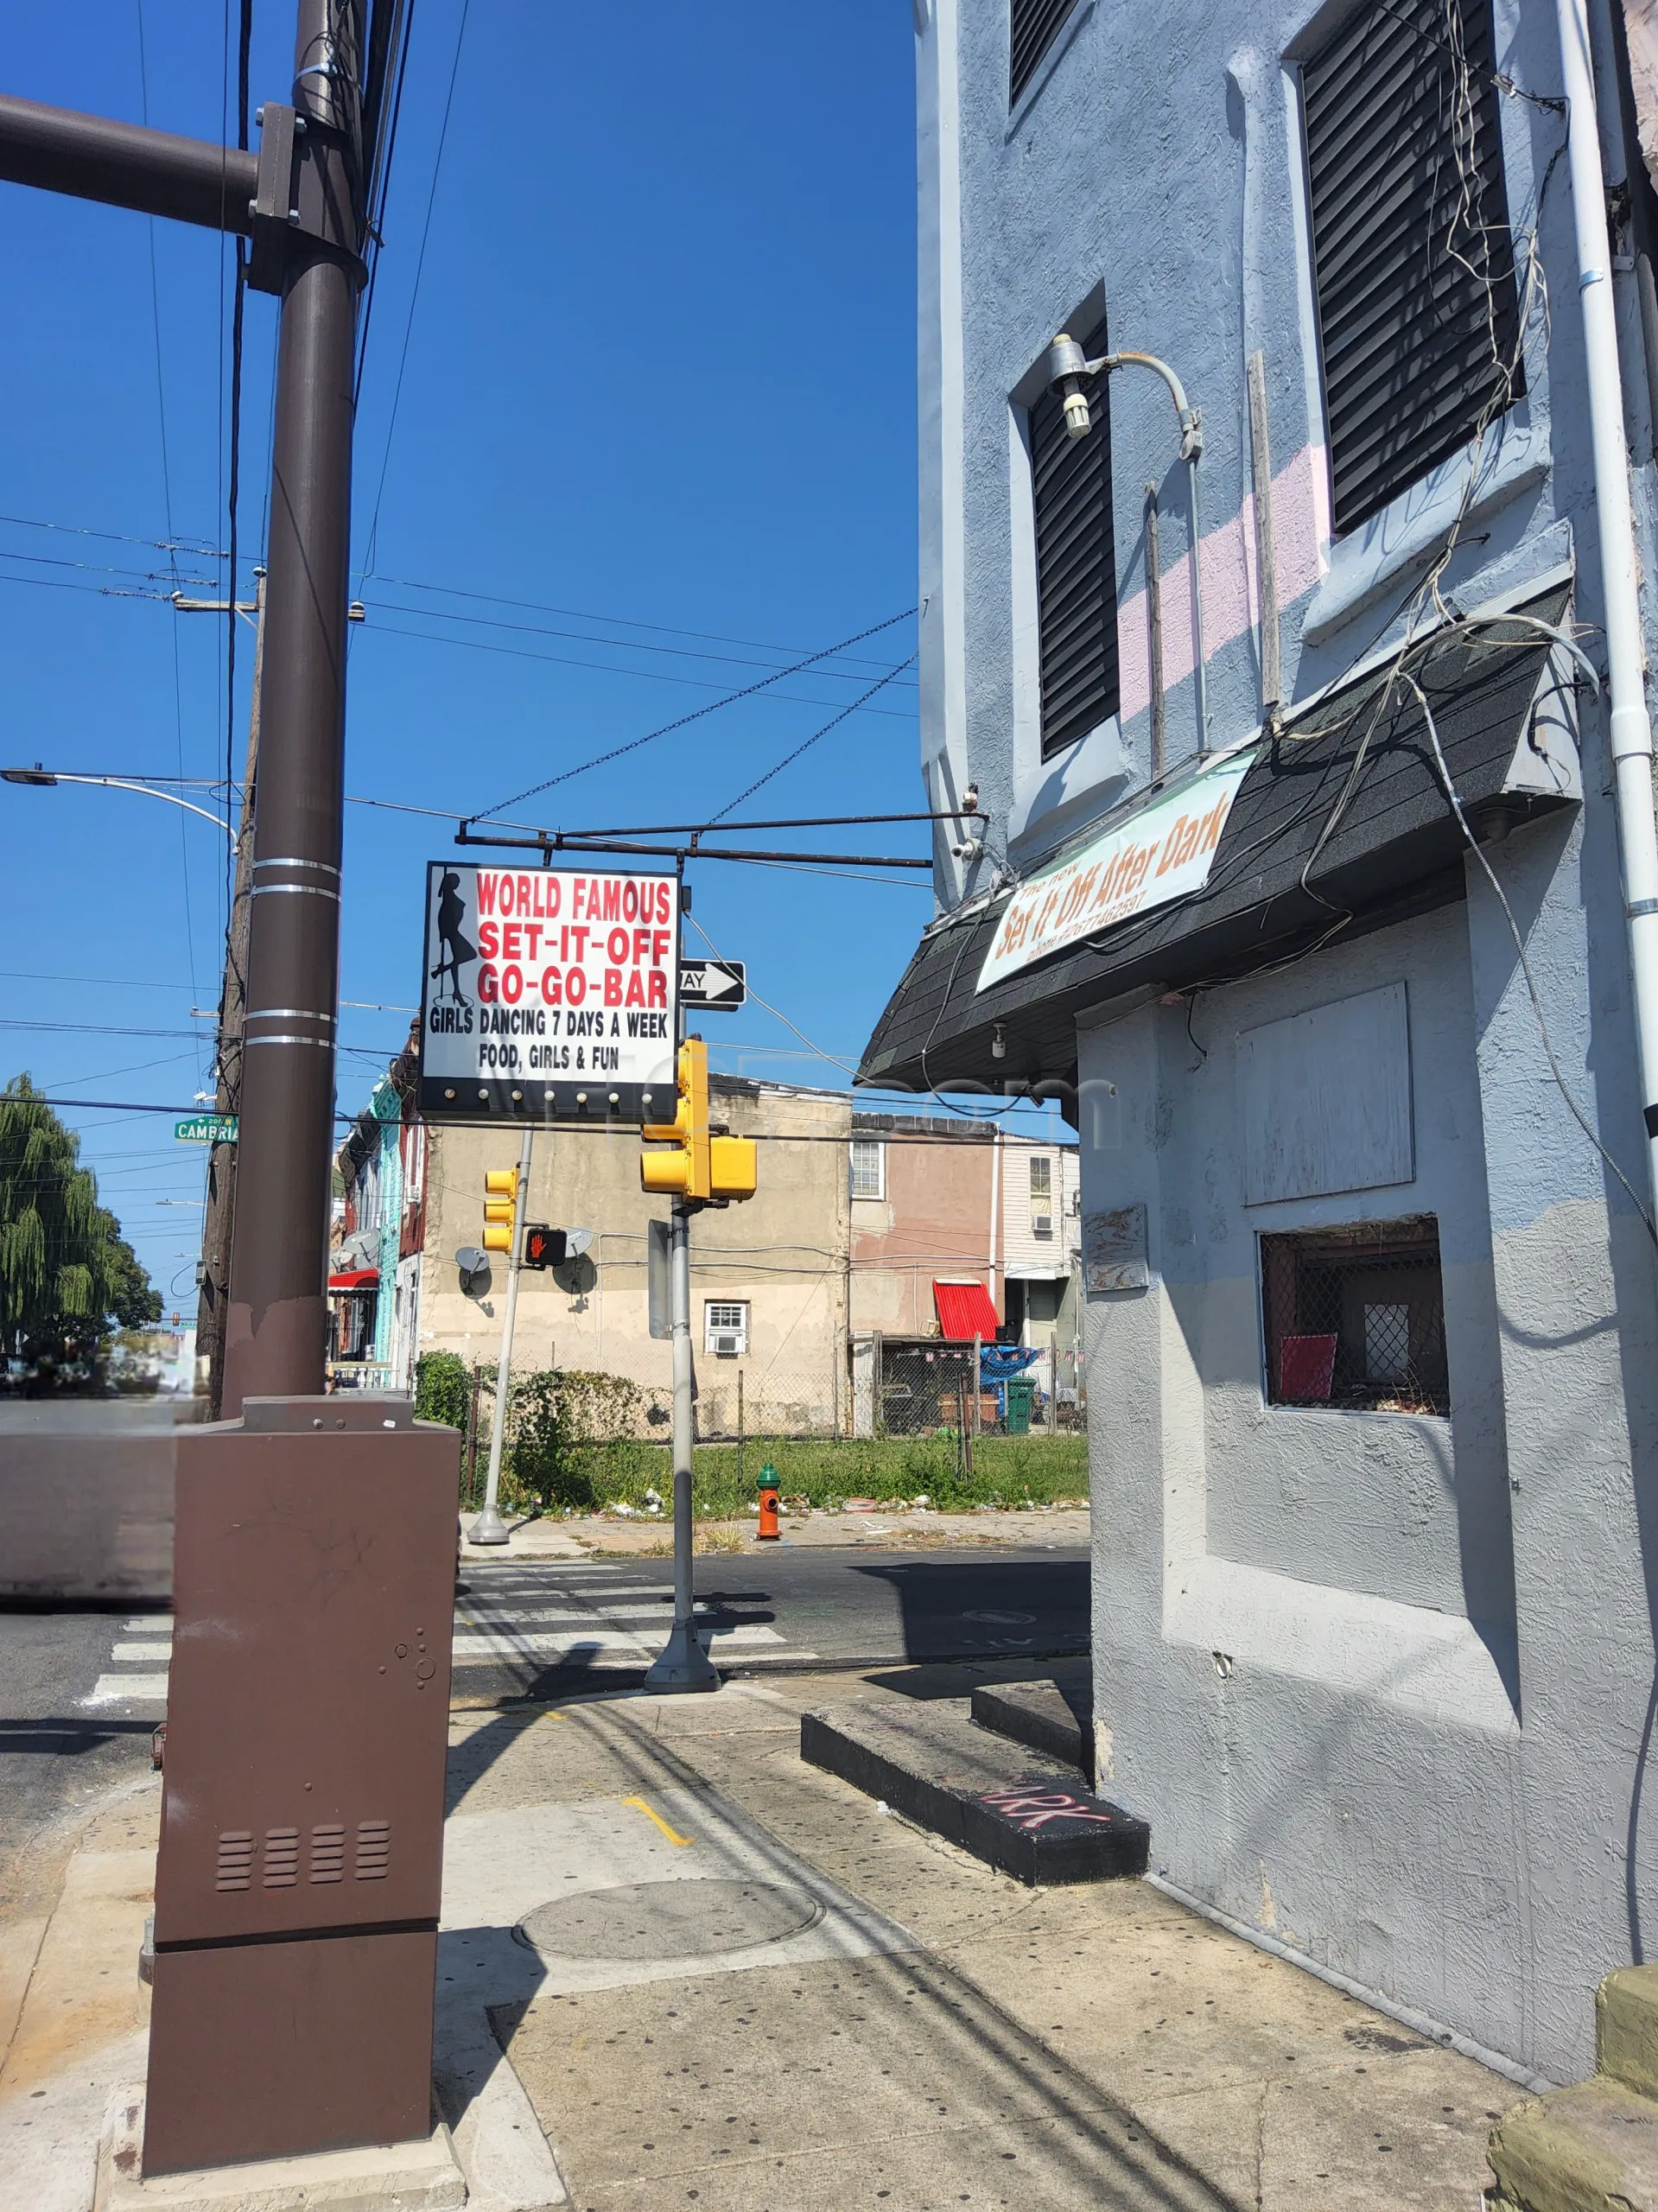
(451, 912)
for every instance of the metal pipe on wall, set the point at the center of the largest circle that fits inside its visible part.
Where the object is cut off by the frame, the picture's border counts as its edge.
(1630, 725)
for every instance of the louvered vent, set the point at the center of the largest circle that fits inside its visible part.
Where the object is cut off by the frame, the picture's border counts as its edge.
(1032, 26)
(1075, 564)
(1413, 262)
(328, 1852)
(234, 1870)
(281, 1859)
(373, 1850)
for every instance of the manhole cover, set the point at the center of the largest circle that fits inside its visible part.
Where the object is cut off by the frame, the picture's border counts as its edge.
(668, 1920)
(1002, 1620)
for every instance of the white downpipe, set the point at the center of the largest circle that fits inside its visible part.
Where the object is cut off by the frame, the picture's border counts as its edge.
(1631, 725)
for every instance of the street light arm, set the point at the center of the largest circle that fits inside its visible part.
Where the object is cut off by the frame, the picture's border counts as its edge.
(114, 783)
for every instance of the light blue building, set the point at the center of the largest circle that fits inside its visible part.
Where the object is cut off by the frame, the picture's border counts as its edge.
(1366, 1190)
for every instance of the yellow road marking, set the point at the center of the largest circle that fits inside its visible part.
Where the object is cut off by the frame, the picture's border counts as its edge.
(639, 1803)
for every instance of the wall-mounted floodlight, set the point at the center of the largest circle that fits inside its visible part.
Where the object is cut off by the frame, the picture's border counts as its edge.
(1068, 368)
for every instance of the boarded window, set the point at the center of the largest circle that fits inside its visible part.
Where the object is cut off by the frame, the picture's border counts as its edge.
(1354, 1318)
(1076, 564)
(1032, 27)
(1413, 260)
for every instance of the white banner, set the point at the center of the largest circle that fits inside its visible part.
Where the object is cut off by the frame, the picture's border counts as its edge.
(548, 991)
(1160, 854)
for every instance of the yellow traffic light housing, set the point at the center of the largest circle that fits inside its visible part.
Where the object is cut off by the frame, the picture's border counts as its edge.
(701, 1166)
(684, 1171)
(500, 1204)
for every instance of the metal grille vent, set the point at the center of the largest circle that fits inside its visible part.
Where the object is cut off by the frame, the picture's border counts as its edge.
(1413, 257)
(235, 1867)
(1076, 564)
(328, 1852)
(1032, 26)
(281, 1859)
(373, 1850)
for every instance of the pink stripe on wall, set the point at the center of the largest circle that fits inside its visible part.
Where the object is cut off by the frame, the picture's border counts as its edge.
(1302, 527)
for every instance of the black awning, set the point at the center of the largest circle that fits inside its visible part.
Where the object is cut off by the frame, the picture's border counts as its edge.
(1361, 755)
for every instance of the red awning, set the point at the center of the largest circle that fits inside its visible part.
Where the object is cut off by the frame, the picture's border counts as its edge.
(355, 1278)
(965, 1309)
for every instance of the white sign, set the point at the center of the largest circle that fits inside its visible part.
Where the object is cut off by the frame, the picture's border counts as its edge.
(1160, 854)
(548, 992)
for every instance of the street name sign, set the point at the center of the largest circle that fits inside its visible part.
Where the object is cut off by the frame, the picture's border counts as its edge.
(206, 1129)
(716, 986)
(548, 994)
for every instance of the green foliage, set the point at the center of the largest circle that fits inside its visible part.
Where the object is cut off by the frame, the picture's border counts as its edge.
(67, 1276)
(442, 1388)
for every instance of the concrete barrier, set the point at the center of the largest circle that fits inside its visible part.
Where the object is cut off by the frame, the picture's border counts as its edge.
(86, 1498)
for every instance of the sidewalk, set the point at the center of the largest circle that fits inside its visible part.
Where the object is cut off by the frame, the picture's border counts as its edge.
(603, 1535)
(738, 1985)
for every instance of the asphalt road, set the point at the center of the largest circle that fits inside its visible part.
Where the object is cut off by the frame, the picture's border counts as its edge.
(524, 1631)
(80, 1692)
(55, 1752)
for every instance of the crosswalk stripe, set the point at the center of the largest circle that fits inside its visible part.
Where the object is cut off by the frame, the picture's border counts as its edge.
(134, 1654)
(114, 1690)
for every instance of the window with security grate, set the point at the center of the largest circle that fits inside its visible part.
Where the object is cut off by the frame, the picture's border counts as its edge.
(1419, 318)
(1076, 562)
(1353, 1318)
(1032, 26)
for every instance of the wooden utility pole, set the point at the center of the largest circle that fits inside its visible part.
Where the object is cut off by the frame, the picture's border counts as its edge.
(213, 1287)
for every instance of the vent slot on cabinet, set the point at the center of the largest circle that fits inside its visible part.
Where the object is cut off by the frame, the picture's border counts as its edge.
(328, 1852)
(282, 1859)
(235, 1867)
(373, 1850)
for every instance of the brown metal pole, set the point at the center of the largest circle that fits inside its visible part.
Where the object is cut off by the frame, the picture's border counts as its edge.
(277, 1321)
(233, 1006)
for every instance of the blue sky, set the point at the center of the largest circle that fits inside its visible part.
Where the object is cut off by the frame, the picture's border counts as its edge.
(644, 428)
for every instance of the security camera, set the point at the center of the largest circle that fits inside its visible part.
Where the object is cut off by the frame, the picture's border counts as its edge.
(1067, 367)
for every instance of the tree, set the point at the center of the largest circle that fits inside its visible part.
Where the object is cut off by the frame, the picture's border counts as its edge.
(67, 1276)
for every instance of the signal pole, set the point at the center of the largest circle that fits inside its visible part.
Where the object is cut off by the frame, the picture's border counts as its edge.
(489, 1527)
(682, 1664)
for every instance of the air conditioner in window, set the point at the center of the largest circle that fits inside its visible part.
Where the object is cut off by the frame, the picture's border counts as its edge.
(726, 1347)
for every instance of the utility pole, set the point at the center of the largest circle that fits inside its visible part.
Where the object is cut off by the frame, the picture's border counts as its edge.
(489, 1527)
(298, 1878)
(214, 1282)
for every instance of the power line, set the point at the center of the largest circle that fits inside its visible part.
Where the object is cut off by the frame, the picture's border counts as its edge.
(414, 295)
(605, 668)
(806, 744)
(634, 744)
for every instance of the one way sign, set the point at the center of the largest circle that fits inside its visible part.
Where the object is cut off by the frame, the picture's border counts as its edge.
(718, 986)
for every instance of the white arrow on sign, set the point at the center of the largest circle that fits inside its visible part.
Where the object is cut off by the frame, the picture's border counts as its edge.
(720, 985)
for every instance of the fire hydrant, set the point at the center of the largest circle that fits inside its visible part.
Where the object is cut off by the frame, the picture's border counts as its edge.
(768, 1530)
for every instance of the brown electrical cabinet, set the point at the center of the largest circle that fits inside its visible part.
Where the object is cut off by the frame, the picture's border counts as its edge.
(297, 1889)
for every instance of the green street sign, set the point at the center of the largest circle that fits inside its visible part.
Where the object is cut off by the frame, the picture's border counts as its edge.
(206, 1129)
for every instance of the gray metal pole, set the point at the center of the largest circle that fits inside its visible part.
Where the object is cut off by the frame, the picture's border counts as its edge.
(682, 1664)
(489, 1527)
(276, 1323)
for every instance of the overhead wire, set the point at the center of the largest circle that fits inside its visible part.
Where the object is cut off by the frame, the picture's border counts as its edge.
(806, 744)
(166, 495)
(681, 721)
(373, 540)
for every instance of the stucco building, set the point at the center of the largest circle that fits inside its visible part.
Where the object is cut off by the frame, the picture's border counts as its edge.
(1301, 891)
(855, 1217)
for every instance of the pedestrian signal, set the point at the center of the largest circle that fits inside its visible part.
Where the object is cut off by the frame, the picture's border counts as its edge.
(544, 1246)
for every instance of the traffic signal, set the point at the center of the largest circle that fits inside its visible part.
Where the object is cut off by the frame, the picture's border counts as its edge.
(684, 1171)
(500, 1204)
(544, 1246)
(701, 1166)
